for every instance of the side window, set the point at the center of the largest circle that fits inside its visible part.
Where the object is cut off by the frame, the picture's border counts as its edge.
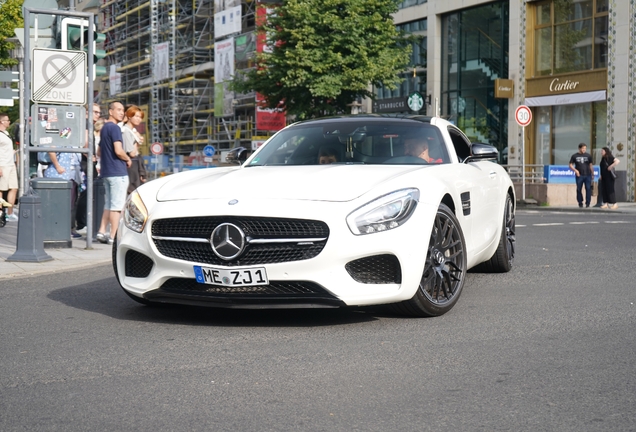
(461, 144)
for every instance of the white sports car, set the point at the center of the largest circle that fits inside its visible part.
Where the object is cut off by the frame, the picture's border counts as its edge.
(343, 211)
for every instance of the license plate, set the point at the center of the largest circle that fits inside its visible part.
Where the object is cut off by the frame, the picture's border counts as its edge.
(233, 278)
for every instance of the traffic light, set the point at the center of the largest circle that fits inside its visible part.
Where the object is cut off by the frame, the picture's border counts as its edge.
(74, 36)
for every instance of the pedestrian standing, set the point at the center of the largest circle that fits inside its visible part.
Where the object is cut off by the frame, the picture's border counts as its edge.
(8, 170)
(137, 171)
(581, 164)
(82, 210)
(114, 170)
(97, 130)
(608, 176)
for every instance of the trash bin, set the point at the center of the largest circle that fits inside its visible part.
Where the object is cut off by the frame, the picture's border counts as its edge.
(55, 203)
(98, 204)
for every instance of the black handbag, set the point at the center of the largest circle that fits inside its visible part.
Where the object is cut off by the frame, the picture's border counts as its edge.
(612, 172)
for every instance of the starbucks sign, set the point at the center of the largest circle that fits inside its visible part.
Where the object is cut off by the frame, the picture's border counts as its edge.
(415, 101)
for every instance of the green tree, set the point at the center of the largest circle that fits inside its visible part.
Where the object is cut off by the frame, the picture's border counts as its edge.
(325, 55)
(10, 19)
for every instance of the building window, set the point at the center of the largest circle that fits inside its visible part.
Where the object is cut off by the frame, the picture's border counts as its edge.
(570, 36)
(408, 3)
(415, 78)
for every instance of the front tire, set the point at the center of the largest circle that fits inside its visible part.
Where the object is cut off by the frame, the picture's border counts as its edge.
(444, 270)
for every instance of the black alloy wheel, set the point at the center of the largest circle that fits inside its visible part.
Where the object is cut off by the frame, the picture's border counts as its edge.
(444, 270)
(511, 227)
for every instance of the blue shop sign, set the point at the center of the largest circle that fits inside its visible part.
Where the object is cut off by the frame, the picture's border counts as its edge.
(563, 174)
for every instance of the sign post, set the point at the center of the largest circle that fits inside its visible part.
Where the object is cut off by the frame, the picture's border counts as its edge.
(523, 115)
(156, 149)
(208, 153)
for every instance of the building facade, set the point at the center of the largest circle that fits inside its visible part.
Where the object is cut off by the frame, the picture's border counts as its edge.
(573, 62)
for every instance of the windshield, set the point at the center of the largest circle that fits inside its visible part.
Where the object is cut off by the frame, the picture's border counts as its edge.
(354, 141)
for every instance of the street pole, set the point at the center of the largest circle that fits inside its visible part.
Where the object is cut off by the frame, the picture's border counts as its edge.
(24, 154)
(523, 163)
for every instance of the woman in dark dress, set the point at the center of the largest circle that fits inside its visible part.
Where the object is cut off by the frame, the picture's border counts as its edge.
(607, 165)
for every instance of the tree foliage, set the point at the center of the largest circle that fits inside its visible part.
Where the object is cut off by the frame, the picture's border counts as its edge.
(325, 54)
(10, 19)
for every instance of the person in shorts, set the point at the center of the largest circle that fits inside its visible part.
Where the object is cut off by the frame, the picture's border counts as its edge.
(114, 171)
(8, 170)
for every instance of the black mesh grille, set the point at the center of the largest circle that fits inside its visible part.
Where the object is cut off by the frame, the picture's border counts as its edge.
(255, 228)
(275, 288)
(137, 265)
(202, 227)
(378, 269)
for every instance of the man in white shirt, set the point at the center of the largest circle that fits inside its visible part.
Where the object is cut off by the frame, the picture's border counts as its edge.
(8, 170)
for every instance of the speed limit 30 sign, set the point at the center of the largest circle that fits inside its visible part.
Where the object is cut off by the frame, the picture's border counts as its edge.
(523, 115)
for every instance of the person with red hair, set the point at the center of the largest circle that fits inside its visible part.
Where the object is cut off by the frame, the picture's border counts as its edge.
(132, 141)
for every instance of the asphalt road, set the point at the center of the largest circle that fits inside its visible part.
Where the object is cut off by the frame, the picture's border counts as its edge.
(549, 346)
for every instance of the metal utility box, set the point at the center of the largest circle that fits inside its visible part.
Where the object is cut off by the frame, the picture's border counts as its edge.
(58, 126)
(55, 197)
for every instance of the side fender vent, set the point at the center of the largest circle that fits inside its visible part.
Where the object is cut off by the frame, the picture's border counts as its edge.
(466, 203)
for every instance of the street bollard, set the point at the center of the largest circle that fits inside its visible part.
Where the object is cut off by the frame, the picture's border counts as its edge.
(30, 247)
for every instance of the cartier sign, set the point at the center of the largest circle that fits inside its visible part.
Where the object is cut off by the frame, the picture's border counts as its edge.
(504, 88)
(572, 83)
(559, 86)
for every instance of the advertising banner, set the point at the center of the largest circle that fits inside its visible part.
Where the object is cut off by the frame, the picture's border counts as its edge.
(268, 119)
(227, 21)
(563, 174)
(223, 73)
(162, 61)
(114, 81)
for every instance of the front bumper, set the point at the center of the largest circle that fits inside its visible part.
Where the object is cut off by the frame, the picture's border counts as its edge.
(349, 270)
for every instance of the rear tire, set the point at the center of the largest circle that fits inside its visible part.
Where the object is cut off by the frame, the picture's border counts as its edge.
(501, 261)
(444, 270)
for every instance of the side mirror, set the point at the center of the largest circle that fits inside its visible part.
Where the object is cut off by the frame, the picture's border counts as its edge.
(479, 151)
(237, 155)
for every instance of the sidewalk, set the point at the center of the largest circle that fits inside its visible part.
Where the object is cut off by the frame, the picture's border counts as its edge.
(64, 259)
(623, 207)
(78, 256)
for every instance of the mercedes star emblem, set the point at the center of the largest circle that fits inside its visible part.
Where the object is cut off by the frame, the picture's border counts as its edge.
(227, 241)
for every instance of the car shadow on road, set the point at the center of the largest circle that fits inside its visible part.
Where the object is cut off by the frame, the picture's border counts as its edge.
(106, 298)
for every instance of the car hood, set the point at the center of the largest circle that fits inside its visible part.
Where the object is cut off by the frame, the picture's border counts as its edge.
(336, 183)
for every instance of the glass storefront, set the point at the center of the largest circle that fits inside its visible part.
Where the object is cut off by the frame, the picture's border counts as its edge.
(570, 56)
(559, 129)
(474, 55)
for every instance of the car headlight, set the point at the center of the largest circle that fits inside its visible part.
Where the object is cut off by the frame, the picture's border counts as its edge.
(135, 213)
(385, 213)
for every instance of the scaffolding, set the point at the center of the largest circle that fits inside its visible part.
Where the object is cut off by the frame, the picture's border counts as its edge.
(178, 100)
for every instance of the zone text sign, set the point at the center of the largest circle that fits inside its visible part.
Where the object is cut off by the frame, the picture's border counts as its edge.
(59, 77)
